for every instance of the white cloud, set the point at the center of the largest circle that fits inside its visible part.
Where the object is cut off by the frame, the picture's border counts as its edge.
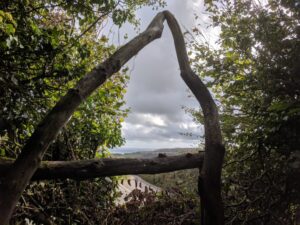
(156, 92)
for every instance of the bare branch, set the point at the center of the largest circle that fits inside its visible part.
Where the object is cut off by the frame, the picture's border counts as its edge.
(93, 168)
(210, 179)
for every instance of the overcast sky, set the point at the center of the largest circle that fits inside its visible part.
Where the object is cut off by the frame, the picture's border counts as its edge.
(156, 93)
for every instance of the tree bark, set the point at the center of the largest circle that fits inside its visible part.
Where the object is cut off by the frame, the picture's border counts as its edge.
(16, 178)
(93, 168)
(210, 174)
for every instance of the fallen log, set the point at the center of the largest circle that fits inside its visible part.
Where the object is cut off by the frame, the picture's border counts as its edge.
(93, 168)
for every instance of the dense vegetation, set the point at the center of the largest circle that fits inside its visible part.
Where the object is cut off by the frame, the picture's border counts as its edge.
(45, 47)
(254, 73)
(172, 207)
(184, 180)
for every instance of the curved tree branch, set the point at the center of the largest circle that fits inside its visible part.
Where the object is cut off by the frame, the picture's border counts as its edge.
(210, 178)
(16, 179)
(20, 173)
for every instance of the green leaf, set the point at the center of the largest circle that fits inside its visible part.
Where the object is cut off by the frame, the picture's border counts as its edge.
(279, 106)
(9, 29)
(2, 152)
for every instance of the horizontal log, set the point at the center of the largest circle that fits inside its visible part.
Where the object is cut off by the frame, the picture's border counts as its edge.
(93, 168)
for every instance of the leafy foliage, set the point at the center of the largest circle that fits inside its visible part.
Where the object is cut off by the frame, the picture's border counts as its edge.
(254, 73)
(184, 180)
(67, 202)
(45, 47)
(171, 207)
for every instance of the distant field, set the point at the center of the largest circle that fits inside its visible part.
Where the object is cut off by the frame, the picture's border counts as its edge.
(185, 180)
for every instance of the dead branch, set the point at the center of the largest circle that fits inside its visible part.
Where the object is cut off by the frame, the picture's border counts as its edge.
(93, 168)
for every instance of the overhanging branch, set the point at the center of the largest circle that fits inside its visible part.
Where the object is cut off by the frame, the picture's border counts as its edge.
(93, 168)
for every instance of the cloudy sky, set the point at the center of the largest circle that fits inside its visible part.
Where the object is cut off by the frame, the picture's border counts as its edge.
(156, 94)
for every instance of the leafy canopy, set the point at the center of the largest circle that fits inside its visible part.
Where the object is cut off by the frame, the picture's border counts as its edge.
(45, 47)
(254, 72)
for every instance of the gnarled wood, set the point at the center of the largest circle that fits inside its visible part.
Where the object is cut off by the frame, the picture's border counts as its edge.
(93, 168)
(210, 178)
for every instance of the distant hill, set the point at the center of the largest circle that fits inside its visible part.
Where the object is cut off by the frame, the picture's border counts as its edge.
(154, 153)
